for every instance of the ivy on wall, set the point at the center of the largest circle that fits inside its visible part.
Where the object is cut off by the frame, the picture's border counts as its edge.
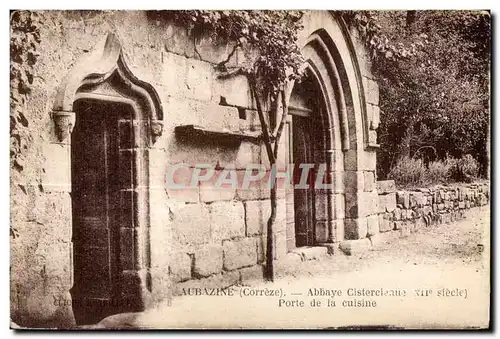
(380, 45)
(272, 34)
(24, 43)
(270, 38)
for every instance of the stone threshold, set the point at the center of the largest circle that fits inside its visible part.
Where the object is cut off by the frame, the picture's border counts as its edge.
(311, 252)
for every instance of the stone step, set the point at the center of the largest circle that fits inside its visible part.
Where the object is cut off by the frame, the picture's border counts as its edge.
(311, 252)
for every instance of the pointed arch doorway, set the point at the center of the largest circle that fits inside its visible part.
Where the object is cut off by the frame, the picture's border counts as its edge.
(102, 226)
(117, 118)
(307, 152)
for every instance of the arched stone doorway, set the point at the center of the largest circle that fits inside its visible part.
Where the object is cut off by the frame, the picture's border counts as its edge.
(307, 151)
(116, 119)
(342, 132)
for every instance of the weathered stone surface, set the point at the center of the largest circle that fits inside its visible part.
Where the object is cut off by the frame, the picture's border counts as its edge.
(248, 153)
(56, 176)
(188, 78)
(355, 228)
(339, 230)
(321, 231)
(252, 273)
(235, 90)
(280, 242)
(189, 93)
(338, 182)
(208, 260)
(397, 214)
(369, 180)
(419, 223)
(311, 253)
(257, 213)
(190, 224)
(427, 210)
(387, 202)
(322, 209)
(371, 90)
(482, 200)
(257, 191)
(386, 186)
(281, 245)
(387, 237)
(372, 137)
(403, 198)
(182, 176)
(177, 41)
(291, 258)
(372, 225)
(369, 203)
(180, 267)
(369, 160)
(239, 253)
(339, 206)
(354, 181)
(376, 240)
(384, 224)
(227, 220)
(417, 199)
(355, 247)
(361, 204)
(162, 284)
(331, 248)
(211, 190)
(405, 229)
(398, 225)
(375, 116)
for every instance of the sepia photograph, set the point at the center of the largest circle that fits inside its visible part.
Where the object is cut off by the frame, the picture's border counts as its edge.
(250, 169)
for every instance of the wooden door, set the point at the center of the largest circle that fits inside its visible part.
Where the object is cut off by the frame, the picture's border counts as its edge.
(303, 198)
(94, 153)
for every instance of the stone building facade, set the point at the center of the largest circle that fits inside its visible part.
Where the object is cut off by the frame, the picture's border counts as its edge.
(121, 97)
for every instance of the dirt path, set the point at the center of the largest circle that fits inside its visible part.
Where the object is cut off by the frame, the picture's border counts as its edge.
(449, 259)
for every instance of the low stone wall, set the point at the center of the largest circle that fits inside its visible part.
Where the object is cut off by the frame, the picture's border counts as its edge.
(402, 212)
(225, 245)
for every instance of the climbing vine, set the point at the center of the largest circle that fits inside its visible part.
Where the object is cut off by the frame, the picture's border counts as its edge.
(273, 34)
(381, 46)
(24, 43)
(271, 38)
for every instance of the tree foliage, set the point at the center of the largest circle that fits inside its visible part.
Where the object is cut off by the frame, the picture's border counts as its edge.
(433, 72)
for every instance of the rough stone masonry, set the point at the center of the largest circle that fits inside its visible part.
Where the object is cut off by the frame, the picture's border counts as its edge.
(159, 83)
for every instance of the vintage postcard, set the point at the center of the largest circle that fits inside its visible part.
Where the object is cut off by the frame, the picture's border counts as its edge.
(250, 169)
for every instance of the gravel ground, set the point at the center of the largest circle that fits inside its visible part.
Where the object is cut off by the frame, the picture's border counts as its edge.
(448, 263)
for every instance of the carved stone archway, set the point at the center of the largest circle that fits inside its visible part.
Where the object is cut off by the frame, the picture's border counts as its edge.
(105, 66)
(348, 142)
(104, 78)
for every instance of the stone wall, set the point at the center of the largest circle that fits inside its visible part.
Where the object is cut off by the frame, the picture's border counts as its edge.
(204, 234)
(402, 212)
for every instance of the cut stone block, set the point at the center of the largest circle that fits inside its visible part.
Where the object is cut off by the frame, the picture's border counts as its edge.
(355, 247)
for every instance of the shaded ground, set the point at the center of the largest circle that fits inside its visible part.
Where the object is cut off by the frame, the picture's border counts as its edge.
(450, 259)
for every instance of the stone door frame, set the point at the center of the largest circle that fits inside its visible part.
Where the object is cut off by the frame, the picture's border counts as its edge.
(104, 76)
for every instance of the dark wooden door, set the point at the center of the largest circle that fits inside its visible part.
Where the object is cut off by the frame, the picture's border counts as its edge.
(94, 153)
(303, 198)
